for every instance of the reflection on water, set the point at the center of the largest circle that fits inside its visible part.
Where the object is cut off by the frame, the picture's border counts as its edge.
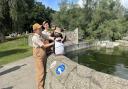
(111, 61)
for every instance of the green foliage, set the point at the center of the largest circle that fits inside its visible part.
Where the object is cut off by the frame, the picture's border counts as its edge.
(99, 19)
(41, 13)
(19, 15)
(14, 49)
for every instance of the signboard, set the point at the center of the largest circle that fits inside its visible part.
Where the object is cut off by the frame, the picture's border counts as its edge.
(60, 69)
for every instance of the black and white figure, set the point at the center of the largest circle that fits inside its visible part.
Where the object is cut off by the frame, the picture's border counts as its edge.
(59, 45)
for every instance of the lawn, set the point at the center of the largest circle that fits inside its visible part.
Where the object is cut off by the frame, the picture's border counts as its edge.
(14, 49)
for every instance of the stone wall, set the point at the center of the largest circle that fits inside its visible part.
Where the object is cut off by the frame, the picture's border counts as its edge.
(72, 36)
(73, 47)
(76, 76)
(106, 44)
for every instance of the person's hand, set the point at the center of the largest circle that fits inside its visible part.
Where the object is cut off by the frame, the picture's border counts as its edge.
(46, 42)
(51, 38)
(52, 43)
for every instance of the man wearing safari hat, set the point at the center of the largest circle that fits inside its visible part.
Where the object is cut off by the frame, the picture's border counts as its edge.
(39, 54)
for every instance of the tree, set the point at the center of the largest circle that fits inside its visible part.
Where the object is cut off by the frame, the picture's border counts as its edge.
(99, 19)
(19, 15)
(104, 14)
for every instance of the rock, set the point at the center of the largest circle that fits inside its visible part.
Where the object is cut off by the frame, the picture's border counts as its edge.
(125, 38)
(69, 66)
(100, 80)
(76, 82)
(106, 44)
(122, 43)
(76, 76)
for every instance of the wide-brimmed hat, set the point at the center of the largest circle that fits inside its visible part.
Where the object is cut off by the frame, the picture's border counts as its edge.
(36, 26)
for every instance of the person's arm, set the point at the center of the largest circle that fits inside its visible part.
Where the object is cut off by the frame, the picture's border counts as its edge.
(47, 45)
(41, 44)
(51, 38)
(48, 37)
(64, 39)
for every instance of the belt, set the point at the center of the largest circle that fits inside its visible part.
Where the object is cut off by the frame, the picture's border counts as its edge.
(36, 47)
(39, 47)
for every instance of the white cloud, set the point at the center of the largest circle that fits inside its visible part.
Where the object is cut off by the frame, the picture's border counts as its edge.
(39, 0)
(80, 3)
(124, 3)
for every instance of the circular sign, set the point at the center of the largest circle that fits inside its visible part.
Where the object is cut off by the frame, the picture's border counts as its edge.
(60, 69)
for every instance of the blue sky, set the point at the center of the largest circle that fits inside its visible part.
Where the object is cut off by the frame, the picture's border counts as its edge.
(51, 3)
(125, 3)
(54, 3)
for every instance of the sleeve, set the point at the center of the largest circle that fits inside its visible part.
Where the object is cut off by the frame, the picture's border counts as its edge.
(38, 41)
(45, 36)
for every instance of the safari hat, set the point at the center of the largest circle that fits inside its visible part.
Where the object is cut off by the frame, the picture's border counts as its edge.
(36, 26)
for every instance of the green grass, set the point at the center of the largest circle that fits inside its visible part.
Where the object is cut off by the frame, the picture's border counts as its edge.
(14, 49)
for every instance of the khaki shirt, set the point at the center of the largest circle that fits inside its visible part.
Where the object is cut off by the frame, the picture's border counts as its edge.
(37, 40)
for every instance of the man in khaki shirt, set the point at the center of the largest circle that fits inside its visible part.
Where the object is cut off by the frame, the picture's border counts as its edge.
(39, 53)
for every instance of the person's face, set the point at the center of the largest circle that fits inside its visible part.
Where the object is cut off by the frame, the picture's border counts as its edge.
(39, 31)
(46, 25)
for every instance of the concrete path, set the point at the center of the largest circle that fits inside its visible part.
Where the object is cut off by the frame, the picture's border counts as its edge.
(18, 75)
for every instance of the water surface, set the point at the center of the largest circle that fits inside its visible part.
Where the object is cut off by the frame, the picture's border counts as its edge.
(110, 61)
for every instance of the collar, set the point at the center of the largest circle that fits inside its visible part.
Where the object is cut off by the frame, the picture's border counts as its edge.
(36, 34)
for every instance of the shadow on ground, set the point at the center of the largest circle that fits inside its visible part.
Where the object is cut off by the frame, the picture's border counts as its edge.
(8, 88)
(10, 52)
(11, 69)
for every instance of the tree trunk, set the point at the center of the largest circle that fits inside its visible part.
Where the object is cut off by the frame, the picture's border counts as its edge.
(2, 37)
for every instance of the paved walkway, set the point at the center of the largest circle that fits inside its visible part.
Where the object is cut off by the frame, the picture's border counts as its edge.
(18, 75)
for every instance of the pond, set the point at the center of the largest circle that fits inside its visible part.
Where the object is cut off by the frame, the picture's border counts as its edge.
(110, 61)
